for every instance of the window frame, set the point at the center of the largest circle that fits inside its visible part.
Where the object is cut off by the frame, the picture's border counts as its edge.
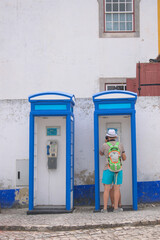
(103, 82)
(120, 34)
(112, 12)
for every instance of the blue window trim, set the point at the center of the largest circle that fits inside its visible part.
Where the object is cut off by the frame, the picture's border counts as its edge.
(51, 112)
(101, 112)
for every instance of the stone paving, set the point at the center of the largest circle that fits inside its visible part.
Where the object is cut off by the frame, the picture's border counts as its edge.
(119, 233)
(83, 223)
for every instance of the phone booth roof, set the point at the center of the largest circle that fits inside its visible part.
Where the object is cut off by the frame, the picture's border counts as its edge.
(52, 96)
(114, 101)
(115, 94)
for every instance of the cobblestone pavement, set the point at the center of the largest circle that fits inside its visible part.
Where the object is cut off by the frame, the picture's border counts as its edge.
(83, 223)
(81, 218)
(120, 233)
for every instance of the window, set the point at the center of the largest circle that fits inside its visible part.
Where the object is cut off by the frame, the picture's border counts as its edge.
(119, 18)
(106, 84)
(118, 15)
(115, 86)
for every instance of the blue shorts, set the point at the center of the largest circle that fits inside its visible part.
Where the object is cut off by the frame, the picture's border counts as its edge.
(112, 177)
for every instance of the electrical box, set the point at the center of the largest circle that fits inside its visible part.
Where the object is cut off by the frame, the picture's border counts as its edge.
(22, 172)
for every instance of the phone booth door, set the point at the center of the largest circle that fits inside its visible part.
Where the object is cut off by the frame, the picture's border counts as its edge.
(50, 161)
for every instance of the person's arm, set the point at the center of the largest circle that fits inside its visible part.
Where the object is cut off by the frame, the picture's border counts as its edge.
(101, 153)
(123, 156)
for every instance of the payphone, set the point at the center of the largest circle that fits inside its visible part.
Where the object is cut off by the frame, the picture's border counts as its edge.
(52, 153)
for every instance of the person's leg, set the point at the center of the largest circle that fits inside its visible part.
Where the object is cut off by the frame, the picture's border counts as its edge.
(116, 195)
(118, 178)
(119, 202)
(106, 195)
(111, 193)
(107, 180)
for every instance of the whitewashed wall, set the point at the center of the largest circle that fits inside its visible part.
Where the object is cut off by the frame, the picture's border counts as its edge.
(55, 45)
(148, 134)
(14, 139)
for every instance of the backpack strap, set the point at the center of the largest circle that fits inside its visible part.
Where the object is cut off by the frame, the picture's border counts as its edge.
(117, 144)
(109, 144)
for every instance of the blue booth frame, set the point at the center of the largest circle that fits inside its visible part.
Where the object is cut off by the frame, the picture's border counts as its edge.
(115, 106)
(53, 107)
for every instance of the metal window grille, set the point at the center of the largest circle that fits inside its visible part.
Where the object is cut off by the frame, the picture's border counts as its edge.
(115, 86)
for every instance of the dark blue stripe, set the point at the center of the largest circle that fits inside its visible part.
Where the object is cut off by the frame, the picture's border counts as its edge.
(147, 192)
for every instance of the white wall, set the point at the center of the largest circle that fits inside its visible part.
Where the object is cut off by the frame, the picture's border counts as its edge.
(148, 135)
(55, 45)
(14, 139)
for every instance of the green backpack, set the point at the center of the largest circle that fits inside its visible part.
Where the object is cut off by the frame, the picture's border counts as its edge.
(114, 157)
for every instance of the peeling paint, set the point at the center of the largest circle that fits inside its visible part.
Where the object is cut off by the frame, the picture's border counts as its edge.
(21, 196)
(84, 177)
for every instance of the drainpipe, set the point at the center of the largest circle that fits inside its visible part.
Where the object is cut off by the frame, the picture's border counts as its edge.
(158, 14)
(139, 80)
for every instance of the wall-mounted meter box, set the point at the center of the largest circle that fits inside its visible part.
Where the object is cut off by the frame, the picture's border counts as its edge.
(53, 131)
(52, 153)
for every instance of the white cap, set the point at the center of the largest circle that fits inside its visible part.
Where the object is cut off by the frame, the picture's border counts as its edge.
(111, 133)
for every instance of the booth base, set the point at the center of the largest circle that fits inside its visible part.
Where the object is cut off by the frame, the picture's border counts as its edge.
(48, 210)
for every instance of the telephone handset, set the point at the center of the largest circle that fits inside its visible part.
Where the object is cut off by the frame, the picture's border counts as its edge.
(52, 153)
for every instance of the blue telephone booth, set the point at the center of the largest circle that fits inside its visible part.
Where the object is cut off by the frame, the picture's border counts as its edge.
(116, 110)
(51, 153)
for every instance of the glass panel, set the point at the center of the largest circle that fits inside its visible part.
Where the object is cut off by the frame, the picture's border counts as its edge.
(122, 26)
(129, 17)
(128, 6)
(108, 17)
(115, 17)
(129, 1)
(122, 7)
(115, 7)
(115, 26)
(115, 0)
(110, 87)
(122, 0)
(115, 87)
(108, 7)
(129, 26)
(122, 17)
(119, 87)
(108, 0)
(109, 26)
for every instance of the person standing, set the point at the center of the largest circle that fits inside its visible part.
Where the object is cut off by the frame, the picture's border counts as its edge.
(112, 173)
